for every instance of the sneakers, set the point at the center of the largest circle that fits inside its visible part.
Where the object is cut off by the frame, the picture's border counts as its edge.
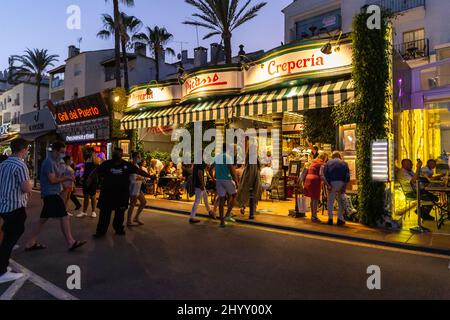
(10, 277)
(94, 215)
(81, 215)
(230, 219)
(330, 222)
(340, 223)
(70, 214)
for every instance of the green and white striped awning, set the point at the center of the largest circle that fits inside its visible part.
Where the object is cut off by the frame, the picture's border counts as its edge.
(293, 99)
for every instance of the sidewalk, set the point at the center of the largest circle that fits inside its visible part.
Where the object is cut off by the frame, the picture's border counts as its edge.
(275, 215)
(268, 216)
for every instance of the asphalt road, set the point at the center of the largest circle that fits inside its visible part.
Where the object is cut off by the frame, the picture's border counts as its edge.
(170, 259)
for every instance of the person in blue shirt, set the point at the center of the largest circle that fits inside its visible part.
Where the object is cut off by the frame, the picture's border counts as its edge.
(52, 178)
(226, 183)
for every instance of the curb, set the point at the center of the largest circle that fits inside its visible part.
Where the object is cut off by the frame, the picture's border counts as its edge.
(390, 244)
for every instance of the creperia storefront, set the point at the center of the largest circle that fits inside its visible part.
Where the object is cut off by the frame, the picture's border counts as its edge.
(273, 92)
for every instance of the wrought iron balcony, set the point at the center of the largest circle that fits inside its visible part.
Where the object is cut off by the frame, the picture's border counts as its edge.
(414, 50)
(397, 6)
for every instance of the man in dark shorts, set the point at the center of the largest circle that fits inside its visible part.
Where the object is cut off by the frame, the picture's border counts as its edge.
(114, 191)
(54, 207)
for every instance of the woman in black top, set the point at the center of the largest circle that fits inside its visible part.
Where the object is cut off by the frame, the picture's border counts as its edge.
(198, 180)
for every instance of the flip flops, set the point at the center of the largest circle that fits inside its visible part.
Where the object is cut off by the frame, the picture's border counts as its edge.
(77, 245)
(36, 247)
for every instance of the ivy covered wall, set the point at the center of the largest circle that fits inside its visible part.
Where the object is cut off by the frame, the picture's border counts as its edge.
(372, 52)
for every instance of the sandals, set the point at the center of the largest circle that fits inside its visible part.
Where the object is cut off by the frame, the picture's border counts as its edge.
(212, 215)
(140, 223)
(36, 247)
(77, 245)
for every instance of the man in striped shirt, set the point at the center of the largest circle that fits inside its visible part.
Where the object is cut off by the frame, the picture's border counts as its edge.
(15, 189)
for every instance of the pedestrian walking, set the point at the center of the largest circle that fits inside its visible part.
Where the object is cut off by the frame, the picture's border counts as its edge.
(54, 208)
(69, 186)
(226, 184)
(198, 181)
(136, 193)
(114, 192)
(89, 187)
(15, 191)
(336, 176)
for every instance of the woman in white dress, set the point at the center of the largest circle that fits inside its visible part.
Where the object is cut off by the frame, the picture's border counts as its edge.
(136, 194)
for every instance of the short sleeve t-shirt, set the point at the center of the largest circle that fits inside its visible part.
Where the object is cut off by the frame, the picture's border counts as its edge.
(47, 188)
(115, 189)
(222, 161)
(404, 177)
(13, 172)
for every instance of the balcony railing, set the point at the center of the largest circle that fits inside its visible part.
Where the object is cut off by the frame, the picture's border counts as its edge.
(414, 50)
(397, 6)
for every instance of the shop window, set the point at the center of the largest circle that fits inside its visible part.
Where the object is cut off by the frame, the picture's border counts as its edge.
(17, 100)
(319, 25)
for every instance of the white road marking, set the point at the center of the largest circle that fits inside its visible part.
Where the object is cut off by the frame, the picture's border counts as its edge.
(45, 285)
(13, 289)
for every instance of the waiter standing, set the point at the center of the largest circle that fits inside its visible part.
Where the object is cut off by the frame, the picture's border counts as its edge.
(114, 192)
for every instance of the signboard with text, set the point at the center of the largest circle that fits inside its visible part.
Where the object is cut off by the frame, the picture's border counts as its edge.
(37, 121)
(212, 82)
(158, 95)
(279, 66)
(78, 110)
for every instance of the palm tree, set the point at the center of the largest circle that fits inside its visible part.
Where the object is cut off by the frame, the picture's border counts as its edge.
(129, 26)
(128, 3)
(157, 39)
(222, 17)
(33, 64)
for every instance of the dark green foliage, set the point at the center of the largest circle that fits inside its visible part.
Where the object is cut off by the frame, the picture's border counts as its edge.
(371, 73)
(319, 126)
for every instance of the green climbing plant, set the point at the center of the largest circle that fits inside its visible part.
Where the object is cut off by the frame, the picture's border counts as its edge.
(319, 126)
(372, 51)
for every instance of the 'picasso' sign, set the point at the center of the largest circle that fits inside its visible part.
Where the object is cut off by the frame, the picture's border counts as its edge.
(295, 62)
(214, 82)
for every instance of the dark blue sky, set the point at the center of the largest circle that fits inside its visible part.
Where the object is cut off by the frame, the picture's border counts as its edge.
(42, 24)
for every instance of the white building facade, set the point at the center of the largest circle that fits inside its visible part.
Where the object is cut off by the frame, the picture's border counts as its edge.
(421, 69)
(19, 100)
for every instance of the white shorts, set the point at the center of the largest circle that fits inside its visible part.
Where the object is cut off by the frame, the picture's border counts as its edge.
(135, 189)
(224, 187)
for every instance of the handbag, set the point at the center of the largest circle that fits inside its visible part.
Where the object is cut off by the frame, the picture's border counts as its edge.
(301, 203)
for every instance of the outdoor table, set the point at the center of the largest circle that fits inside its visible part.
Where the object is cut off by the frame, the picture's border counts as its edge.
(445, 190)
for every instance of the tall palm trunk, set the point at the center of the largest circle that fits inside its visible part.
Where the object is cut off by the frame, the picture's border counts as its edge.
(125, 65)
(228, 49)
(157, 58)
(117, 42)
(38, 95)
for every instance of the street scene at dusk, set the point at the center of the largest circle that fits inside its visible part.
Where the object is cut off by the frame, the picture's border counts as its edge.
(225, 155)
